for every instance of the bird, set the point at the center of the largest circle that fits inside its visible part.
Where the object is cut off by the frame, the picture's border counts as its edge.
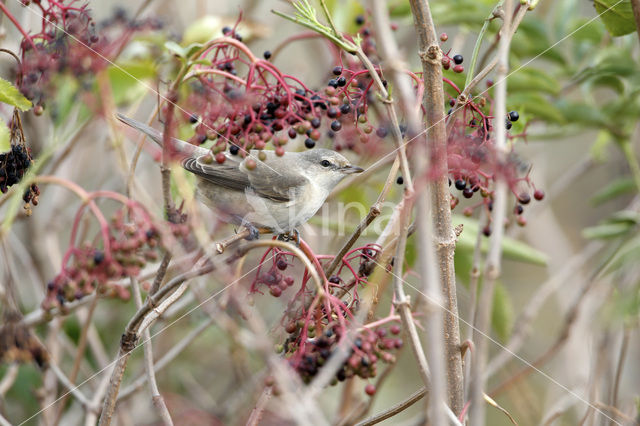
(279, 194)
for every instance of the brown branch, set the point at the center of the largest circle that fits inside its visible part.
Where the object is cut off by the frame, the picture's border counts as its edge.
(445, 240)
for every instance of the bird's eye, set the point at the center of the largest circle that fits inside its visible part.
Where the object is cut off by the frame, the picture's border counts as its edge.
(325, 163)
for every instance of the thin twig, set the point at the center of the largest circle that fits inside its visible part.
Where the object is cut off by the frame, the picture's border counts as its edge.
(398, 408)
(493, 263)
(167, 358)
(156, 397)
(626, 334)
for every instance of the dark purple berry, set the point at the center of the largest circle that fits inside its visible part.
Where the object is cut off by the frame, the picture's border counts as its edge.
(309, 143)
(514, 116)
(524, 198)
(359, 20)
(337, 70)
(282, 264)
(336, 125)
(467, 193)
(400, 180)
(458, 59)
(267, 54)
(460, 184)
(381, 132)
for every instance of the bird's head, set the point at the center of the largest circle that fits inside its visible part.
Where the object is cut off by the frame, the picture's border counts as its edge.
(326, 167)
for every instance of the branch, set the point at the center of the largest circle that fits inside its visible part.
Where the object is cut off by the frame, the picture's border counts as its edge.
(493, 263)
(445, 240)
(398, 408)
(157, 399)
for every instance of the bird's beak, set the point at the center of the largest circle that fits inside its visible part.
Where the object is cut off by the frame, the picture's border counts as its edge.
(351, 169)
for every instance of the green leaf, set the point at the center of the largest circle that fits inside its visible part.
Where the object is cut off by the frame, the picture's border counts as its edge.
(502, 313)
(127, 79)
(511, 249)
(176, 49)
(628, 254)
(5, 137)
(617, 16)
(606, 230)
(610, 81)
(9, 94)
(576, 112)
(532, 80)
(614, 189)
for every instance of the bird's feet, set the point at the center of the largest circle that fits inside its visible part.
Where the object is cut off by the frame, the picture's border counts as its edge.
(293, 235)
(254, 232)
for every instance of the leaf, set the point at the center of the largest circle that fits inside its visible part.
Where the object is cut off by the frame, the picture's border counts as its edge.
(606, 230)
(5, 137)
(532, 80)
(617, 16)
(511, 249)
(609, 81)
(627, 254)
(614, 189)
(575, 112)
(127, 79)
(176, 49)
(502, 314)
(9, 94)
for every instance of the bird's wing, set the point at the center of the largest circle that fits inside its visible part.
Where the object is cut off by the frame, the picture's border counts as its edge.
(264, 181)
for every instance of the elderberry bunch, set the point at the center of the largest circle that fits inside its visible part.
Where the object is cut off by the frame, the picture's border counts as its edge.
(13, 165)
(368, 347)
(132, 242)
(69, 41)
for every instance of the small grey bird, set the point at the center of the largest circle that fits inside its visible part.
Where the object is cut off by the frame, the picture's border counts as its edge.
(280, 193)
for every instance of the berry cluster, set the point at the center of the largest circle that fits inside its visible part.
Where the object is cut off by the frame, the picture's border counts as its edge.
(274, 279)
(456, 59)
(245, 102)
(69, 41)
(474, 164)
(317, 323)
(367, 348)
(131, 242)
(13, 165)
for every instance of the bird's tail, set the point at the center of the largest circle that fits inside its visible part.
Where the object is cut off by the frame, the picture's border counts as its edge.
(179, 147)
